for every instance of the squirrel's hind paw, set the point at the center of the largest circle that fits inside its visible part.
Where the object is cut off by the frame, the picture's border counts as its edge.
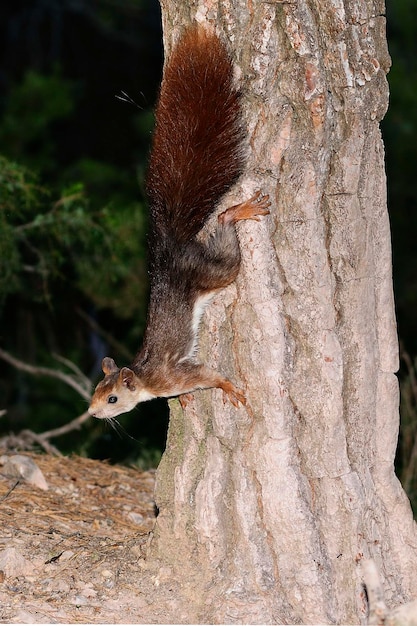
(251, 209)
(185, 399)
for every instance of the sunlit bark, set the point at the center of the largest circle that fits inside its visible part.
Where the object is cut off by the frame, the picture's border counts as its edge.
(266, 512)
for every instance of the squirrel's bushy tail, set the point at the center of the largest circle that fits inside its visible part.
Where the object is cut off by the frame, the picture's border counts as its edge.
(197, 152)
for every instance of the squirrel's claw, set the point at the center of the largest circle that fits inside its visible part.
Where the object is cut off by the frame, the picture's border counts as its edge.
(185, 398)
(251, 209)
(234, 395)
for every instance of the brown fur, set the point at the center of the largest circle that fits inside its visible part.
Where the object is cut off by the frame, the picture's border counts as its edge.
(197, 152)
(197, 155)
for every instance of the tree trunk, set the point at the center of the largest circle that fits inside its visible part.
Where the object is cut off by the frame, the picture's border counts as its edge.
(266, 512)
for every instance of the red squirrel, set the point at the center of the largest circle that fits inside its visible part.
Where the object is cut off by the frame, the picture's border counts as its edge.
(197, 155)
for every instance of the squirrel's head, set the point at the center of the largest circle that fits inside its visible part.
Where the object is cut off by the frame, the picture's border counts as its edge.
(119, 391)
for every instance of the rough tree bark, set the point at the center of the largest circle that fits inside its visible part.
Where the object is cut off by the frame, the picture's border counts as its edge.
(266, 512)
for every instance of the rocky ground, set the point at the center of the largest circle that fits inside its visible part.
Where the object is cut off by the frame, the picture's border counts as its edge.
(72, 550)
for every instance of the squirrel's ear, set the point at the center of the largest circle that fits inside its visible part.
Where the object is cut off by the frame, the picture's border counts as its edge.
(127, 376)
(109, 366)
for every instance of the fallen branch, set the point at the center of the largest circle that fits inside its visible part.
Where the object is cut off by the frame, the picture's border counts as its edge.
(80, 383)
(26, 439)
(75, 424)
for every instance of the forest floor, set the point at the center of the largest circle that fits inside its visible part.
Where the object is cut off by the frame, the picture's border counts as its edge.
(75, 553)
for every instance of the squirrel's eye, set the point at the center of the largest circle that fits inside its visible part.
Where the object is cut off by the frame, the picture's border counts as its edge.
(112, 399)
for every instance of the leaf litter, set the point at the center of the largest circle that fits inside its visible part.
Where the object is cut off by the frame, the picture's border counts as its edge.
(75, 553)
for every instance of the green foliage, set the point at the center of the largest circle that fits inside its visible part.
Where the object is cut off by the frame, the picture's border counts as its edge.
(42, 241)
(32, 108)
(51, 253)
(73, 277)
(21, 199)
(117, 279)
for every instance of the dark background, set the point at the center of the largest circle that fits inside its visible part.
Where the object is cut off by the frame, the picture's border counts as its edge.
(62, 62)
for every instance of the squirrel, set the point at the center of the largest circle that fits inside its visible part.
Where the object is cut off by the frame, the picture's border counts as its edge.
(197, 155)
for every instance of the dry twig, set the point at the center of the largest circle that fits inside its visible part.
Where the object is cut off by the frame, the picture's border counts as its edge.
(75, 424)
(78, 381)
(80, 386)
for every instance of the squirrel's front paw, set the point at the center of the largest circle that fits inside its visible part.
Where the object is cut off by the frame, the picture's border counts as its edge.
(233, 394)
